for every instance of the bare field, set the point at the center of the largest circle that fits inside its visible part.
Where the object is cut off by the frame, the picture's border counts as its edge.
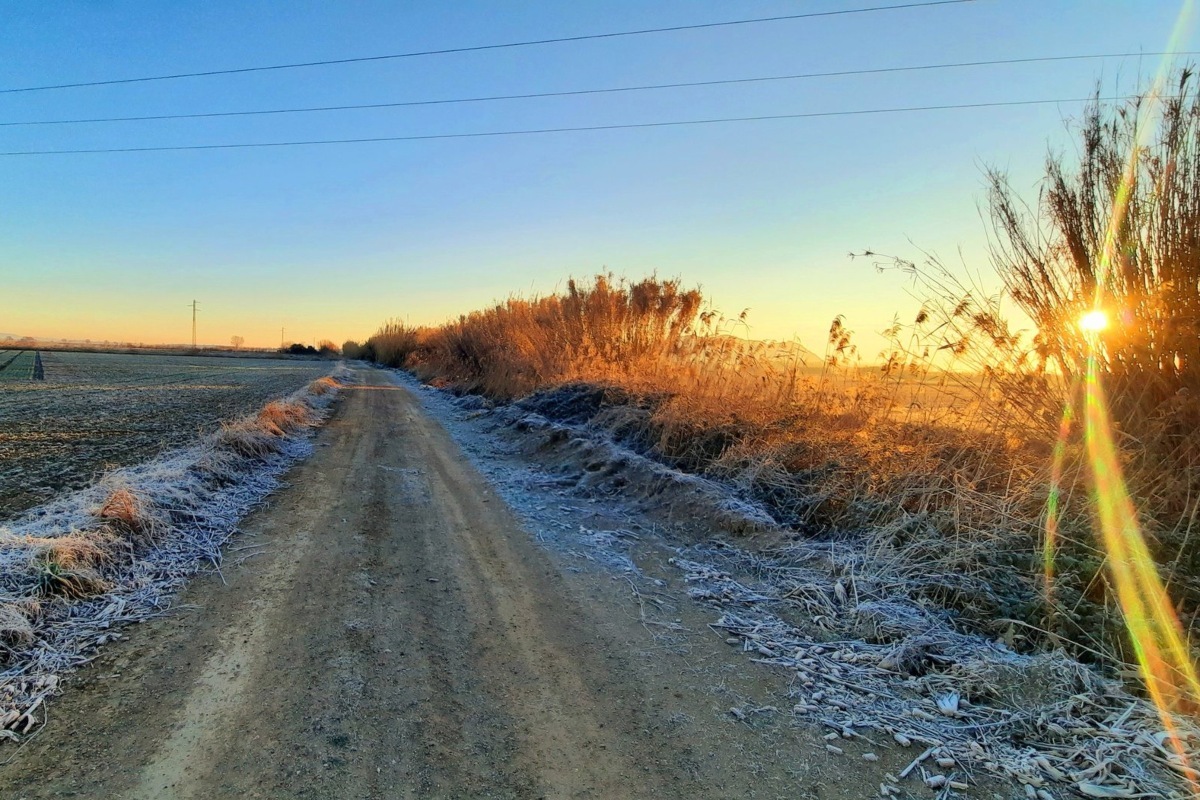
(94, 411)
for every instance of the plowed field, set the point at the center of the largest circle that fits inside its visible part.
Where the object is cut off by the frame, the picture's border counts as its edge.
(96, 410)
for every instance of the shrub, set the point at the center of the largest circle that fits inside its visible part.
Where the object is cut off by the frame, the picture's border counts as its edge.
(593, 331)
(393, 344)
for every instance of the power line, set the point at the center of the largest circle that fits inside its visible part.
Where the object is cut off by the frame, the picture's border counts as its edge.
(606, 90)
(483, 47)
(533, 131)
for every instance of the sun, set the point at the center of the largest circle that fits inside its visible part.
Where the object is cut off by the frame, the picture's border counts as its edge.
(1093, 321)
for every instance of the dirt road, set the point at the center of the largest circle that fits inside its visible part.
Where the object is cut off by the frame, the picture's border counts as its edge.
(399, 635)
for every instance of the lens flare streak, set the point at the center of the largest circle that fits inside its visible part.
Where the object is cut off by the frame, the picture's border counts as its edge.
(1155, 632)
(1154, 629)
(1050, 543)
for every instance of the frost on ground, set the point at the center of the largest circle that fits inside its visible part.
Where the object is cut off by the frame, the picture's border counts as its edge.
(870, 657)
(74, 571)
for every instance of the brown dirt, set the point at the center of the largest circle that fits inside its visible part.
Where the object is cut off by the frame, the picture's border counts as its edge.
(402, 636)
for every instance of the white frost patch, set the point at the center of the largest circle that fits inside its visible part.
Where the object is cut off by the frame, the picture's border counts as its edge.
(871, 665)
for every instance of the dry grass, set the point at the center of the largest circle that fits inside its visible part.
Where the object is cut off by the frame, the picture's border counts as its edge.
(128, 512)
(322, 385)
(393, 344)
(77, 551)
(247, 438)
(71, 566)
(218, 464)
(262, 435)
(941, 470)
(281, 417)
(607, 328)
(1119, 229)
(938, 454)
(921, 461)
(15, 630)
(117, 551)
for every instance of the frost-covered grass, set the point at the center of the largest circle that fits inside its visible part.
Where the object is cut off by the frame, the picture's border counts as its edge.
(74, 570)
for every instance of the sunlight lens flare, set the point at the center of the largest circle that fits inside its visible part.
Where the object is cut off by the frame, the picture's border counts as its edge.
(1093, 321)
(1050, 542)
(1162, 648)
(1164, 658)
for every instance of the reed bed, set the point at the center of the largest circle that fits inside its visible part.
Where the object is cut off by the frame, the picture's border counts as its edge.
(943, 455)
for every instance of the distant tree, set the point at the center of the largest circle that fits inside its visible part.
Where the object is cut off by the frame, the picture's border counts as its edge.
(327, 348)
(297, 349)
(237, 342)
(351, 349)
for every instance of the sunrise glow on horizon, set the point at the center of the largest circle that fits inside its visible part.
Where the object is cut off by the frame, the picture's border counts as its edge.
(312, 243)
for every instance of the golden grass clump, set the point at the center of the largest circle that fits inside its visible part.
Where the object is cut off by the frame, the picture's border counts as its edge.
(125, 510)
(281, 417)
(69, 566)
(248, 438)
(323, 385)
(259, 436)
(74, 551)
(79, 583)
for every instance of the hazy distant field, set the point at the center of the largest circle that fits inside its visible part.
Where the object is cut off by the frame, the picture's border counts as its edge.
(95, 410)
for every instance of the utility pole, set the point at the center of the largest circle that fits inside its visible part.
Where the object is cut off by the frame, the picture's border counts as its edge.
(194, 324)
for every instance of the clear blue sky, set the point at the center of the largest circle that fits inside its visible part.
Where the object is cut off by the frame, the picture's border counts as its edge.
(329, 241)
